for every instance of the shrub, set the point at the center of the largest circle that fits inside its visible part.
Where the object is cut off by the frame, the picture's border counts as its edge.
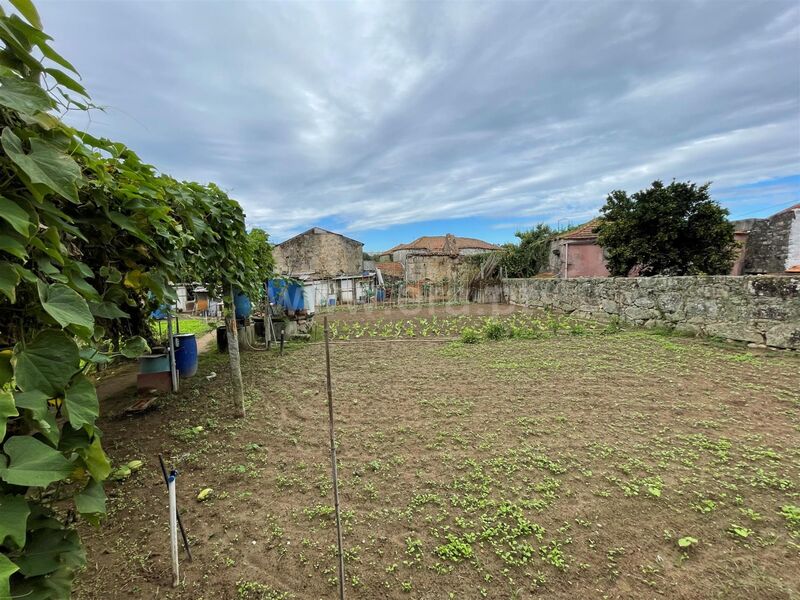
(525, 333)
(470, 335)
(614, 325)
(494, 330)
(577, 329)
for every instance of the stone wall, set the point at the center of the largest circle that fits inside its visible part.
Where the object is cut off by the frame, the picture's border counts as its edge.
(757, 309)
(432, 267)
(773, 244)
(321, 252)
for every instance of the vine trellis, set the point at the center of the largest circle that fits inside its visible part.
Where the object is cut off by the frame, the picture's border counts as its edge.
(90, 237)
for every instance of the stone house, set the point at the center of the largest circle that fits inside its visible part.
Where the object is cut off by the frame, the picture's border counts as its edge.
(437, 245)
(330, 266)
(773, 244)
(319, 252)
(434, 267)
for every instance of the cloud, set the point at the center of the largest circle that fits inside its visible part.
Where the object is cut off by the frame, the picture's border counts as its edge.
(374, 114)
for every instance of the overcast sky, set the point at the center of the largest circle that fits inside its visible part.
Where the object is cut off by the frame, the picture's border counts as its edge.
(390, 120)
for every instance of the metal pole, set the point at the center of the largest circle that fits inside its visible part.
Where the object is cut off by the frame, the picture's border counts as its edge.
(177, 512)
(334, 472)
(173, 528)
(267, 317)
(171, 342)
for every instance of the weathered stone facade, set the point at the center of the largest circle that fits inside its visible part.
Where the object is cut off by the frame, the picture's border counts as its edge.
(321, 252)
(432, 267)
(758, 309)
(773, 244)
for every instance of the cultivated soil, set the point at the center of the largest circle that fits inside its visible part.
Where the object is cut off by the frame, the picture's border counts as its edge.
(565, 466)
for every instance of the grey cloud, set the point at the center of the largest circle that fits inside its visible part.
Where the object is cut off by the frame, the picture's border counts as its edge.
(376, 114)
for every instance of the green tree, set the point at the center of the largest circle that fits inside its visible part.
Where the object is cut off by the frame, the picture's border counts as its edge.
(675, 229)
(530, 256)
(263, 261)
(89, 237)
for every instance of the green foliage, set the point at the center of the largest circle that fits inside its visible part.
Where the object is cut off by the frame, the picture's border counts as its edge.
(470, 335)
(456, 549)
(252, 590)
(530, 256)
(666, 230)
(90, 237)
(263, 261)
(739, 531)
(494, 330)
(687, 542)
(791, 513)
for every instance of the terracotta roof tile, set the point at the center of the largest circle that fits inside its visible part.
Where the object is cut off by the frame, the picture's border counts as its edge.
(582, 232)
(793, 269)
(435, 243)
(392, 269)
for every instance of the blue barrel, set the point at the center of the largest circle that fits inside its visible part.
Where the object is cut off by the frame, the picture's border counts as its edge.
(185, 354)
(242, 305)
(380, 295)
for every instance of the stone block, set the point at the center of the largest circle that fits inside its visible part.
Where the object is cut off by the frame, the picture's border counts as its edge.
(688, 329)
(742, 332)
(785, 335)
(634, 313)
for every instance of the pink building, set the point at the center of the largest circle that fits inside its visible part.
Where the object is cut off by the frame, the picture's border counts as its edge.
(577, 254)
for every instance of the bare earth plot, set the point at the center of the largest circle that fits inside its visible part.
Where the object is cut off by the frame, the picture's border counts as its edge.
(565, 466)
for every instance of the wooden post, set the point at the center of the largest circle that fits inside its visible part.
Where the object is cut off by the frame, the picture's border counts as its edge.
(334, 472)
(236, 365)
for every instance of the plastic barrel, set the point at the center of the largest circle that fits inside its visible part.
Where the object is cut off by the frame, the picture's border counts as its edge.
(242, 305)
(154, 363)
(186, 354)
(222, 338)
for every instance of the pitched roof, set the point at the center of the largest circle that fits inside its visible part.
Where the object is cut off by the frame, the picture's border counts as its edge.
(793, 269)
(392, 269)
(785, 210)
(319, 230)
(587, 231)
(435, 243)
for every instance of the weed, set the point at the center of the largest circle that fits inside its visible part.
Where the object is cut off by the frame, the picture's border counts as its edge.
(252, 590)
(791, 513)
(687, 542)
(456, 549)
(470, 336)
(739, 531)
(493, 330)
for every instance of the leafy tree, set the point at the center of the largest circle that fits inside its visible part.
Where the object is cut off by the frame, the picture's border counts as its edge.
(530, 256)
(263, 261)
(666, 230)
(90, 236)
